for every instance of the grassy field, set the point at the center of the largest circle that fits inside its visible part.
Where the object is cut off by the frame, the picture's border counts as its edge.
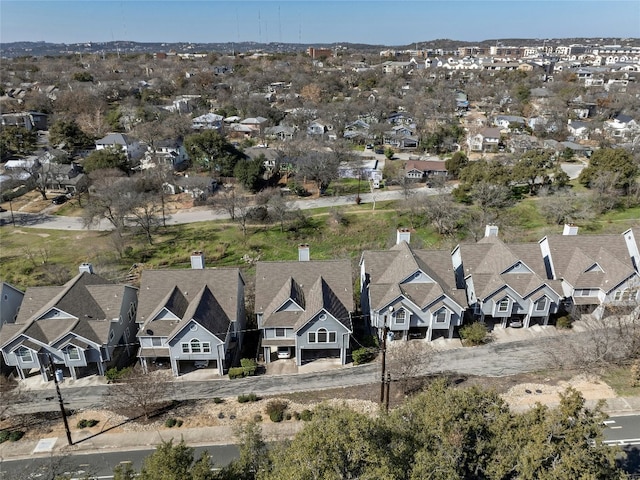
(31, 257)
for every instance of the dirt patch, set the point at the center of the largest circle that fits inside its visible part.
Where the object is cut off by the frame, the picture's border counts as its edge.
(519, 391)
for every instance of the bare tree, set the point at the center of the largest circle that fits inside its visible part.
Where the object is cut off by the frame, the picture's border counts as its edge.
(235, 204)
(138, 393)
(407, 361)
(10, 396)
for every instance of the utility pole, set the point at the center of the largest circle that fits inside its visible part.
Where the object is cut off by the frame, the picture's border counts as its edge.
(62, 410)
(385, 330)
(386, 395)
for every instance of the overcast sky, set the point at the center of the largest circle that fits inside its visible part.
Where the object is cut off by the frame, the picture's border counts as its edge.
(314, 21)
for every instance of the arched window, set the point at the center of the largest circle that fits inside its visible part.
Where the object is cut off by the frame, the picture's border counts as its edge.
(401, 316)
(195, 346)
(24, 354)
(322, 335)
(503, 305)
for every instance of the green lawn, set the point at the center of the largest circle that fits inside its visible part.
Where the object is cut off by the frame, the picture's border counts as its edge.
(31, 257)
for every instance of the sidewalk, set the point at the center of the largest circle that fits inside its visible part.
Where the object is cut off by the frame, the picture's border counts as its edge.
(85, 443)
(218, 435)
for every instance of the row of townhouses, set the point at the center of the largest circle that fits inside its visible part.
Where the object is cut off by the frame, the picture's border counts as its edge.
(305, 309)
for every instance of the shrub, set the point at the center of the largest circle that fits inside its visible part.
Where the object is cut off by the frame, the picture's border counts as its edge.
(217, 400)
(179, 423)
(276, 417)
(249, 366)
(275, 409)
(287, 416)
(257, 418)
(251, 397)
(15, 435)
(220, 415)
(564, 322)
(306, 415)
(84, 423)
(474, 334)
(236, 372)
(296, 415)
(4, 436)
(113, 374)
(170, 422)
(363, 355)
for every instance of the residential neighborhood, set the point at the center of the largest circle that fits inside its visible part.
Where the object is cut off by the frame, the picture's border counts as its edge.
(182, 225)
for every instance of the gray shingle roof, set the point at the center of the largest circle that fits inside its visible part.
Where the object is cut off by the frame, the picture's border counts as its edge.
(210, 296)
(573, 255)
(389, 269)
(316, 284)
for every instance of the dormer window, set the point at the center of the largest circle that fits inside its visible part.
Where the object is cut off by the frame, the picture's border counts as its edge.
(503, 305)
(441, 315)
(401, 316)
(73, 353)
(541, 305)
(24, 354)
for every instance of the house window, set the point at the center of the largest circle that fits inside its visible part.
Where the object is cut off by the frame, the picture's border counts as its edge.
(541, 305)
(322, 336)
(156, 341)
(617, 295)
(503, 305)
(332, 337)
(311, 337)
(73, 353)
(24, 354)
(441, 315)
(629, 295)
(584, 293)
(280, 332)
(401, 316)
(196, 346)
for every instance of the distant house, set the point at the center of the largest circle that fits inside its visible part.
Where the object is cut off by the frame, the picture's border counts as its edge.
(208, 121)
(168, 153)
(410, 293)
(487, 139)
(578, 130)
(304, 308)
(68, 178)
(28, 120)
(256, 124)
(132, 148)
(318, 127)
(77, 327)
(280, 132)
(507, 122)
(191, 315)
(622, 126)
(419, 169)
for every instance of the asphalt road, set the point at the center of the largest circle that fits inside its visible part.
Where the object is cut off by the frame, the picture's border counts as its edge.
(499, 359)
(99, 465)
(623, 430)
(56, 222)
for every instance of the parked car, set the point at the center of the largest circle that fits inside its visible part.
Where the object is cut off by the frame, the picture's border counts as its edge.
(59, 200)
(284, 352)
(201, 363)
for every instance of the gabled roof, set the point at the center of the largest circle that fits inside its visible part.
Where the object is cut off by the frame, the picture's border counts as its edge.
(209, 296)
(574, 255)
(115, 139)
(390, 274)
(313, 285)
(490, 264)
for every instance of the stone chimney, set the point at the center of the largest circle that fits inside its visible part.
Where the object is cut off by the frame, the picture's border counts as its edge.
(491, 231)
(303, 252)
(403, 235)
(570, 229)
(197, 260)
(85, 267)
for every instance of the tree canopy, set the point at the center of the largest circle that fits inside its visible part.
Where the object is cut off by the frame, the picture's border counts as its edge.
(211, 151)
(617, 161)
